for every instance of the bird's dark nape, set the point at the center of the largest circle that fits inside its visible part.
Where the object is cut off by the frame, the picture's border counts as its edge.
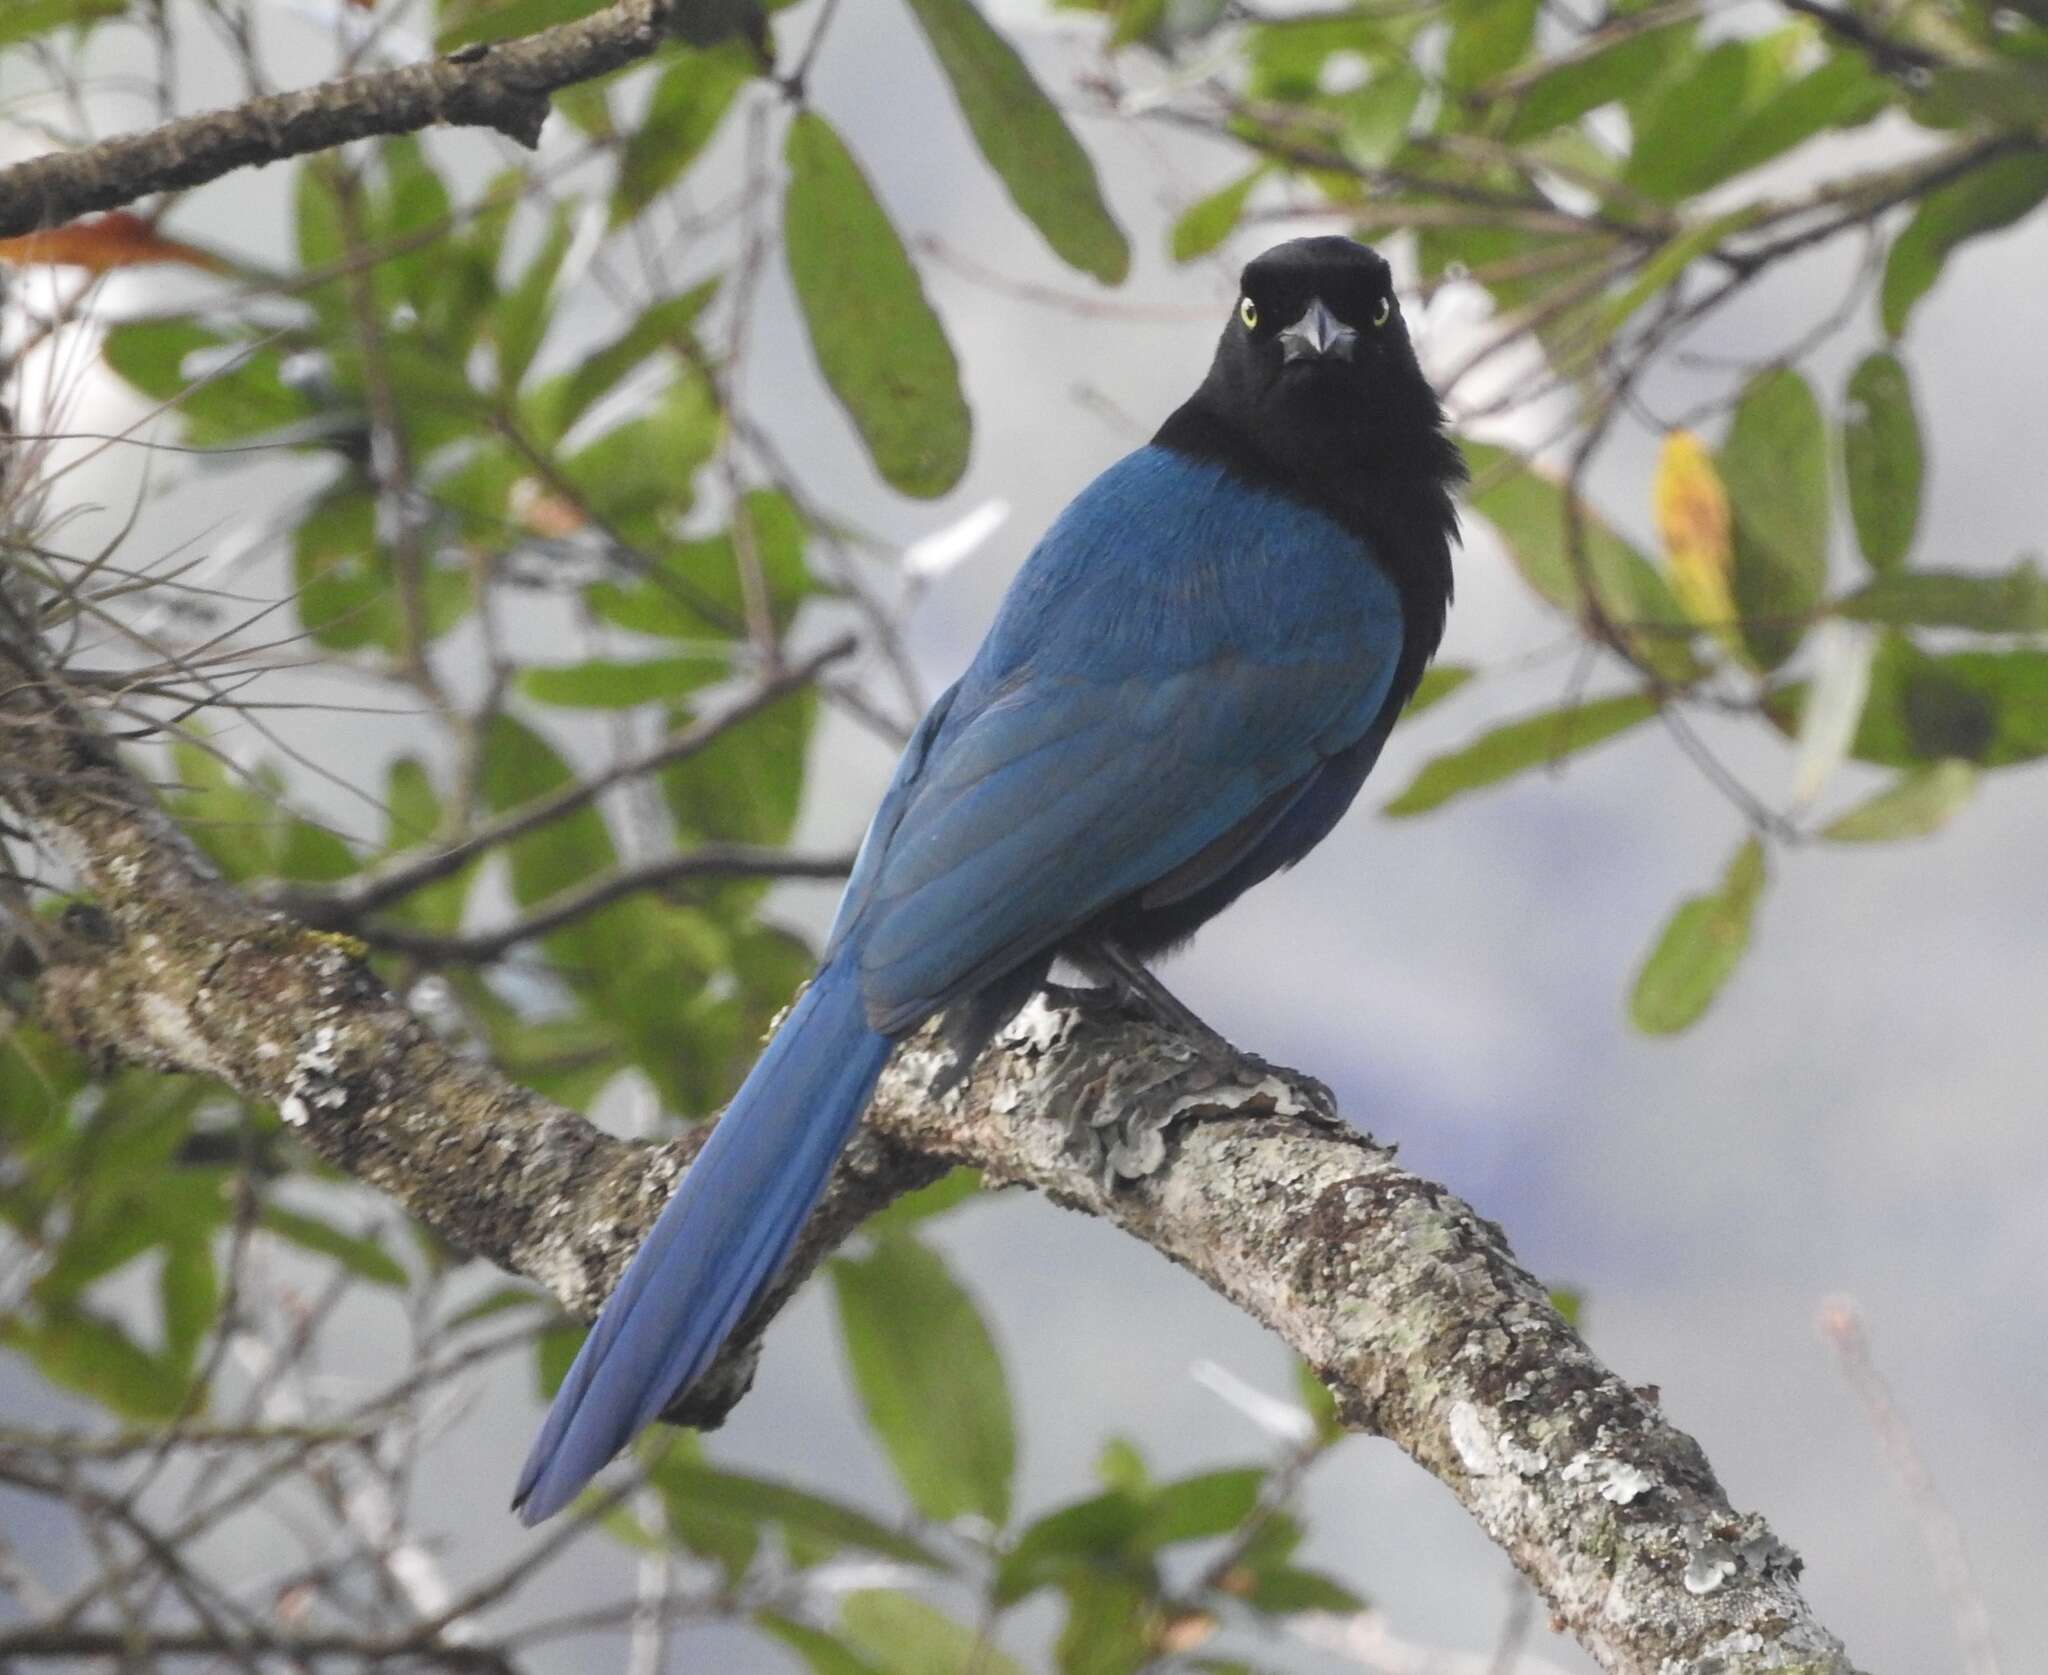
(1183, 691)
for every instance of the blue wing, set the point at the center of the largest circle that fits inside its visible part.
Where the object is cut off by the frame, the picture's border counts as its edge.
(1171, 671)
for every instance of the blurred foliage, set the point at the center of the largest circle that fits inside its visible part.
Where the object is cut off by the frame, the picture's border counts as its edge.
(482, 411)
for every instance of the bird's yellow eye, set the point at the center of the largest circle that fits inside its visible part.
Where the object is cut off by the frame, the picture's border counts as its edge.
(1385, 312)
(1248, 312)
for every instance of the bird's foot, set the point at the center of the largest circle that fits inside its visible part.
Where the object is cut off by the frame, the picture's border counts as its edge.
(1121, 1135)
(1140, 993)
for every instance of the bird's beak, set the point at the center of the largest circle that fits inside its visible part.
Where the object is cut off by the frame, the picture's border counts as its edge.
(1318, 335)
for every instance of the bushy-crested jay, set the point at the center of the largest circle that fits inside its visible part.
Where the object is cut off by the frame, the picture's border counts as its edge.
(1183, 691)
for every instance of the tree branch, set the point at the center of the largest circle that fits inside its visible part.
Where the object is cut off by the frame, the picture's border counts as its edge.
(1406, 1302)
(706, 861)
(503, 86)
(344, 906)
(1888, 55)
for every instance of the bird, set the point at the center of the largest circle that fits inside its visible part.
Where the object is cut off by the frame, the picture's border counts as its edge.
(1181, 693)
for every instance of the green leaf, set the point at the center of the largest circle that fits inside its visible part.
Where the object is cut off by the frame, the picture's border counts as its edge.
(505, 1299)
(1120, 1465)
(1570, 1303)
(1283, 1591)
(667, 324)
(1993, 196)
(225, 389)
(463, 21)
(1097, 1528)
(310, 854)
(637, 476)
(110, 1227)
(554, 1352)
(361, 1256)
(523, 314)
(344, 575)
(1670, 155)
(1699, 949)
(1578, 86)
(1195, 1508)
(745, 786)
(690, 100)
(412, 804)
(1378, 115)
(709, 1509)
(1488, 38)
(878, 343)
(151, 354)
(929, 1379)
(1318, 1400)
(952, 1189)
(23, 20)
(1918, 804)
(1774, 466)
(599, 684)
(1842, 92)
(90, 1354)
(1531, 513)
(696, 592)
(904, 1636)
(1437, 684)
(317, 220)
(1881, 460)
(1108, 1627)
(1025, 139)
(1534, 741)
(1676, 255)
(1209, 221)
(1121, 1528)
(820, 1651)
(415, 819)
(1987, 707)
(189, 1288)
(232, 821)
(1288, 56)
(2009, 95)
(518, 766)
(38, 1079)
(2015, 602)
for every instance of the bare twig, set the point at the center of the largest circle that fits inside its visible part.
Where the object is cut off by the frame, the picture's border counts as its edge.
(348, 904)
(503, 86)
(707, 861)
(1842, 1325)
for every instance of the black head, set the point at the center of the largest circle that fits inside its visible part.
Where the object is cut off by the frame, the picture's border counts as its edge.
(1315, 369)
(1315, 390)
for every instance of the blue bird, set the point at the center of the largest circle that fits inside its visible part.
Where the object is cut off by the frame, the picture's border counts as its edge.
(1183, 691)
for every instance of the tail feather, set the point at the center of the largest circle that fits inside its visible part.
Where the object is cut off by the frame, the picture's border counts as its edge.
(718, 1242)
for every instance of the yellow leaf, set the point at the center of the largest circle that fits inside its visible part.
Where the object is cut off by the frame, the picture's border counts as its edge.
(1692, 521)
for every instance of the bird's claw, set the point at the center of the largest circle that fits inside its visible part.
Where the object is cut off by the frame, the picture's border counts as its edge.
(1121, 1135)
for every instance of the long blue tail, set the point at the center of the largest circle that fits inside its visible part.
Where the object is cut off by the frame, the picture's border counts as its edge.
(717, 1243)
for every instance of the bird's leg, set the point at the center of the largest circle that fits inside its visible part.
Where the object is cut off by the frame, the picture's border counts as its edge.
(1124, 1134)
(1136, 985)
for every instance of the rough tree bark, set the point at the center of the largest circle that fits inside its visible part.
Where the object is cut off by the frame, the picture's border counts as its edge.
(1409, 1305)
(503, 86)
